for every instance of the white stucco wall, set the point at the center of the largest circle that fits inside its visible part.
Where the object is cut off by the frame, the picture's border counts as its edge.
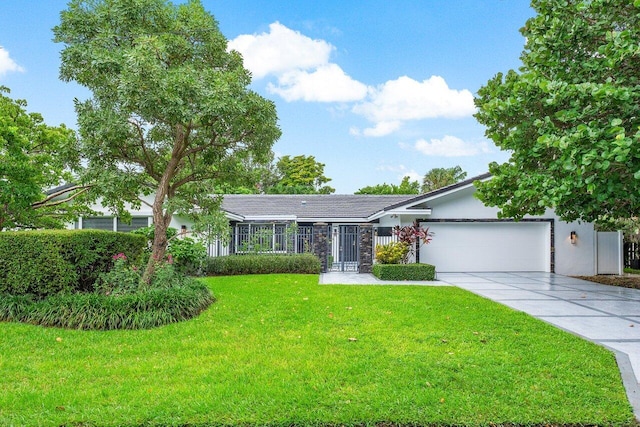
(578, 259)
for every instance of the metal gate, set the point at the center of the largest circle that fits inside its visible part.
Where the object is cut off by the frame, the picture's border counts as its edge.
(345, 248)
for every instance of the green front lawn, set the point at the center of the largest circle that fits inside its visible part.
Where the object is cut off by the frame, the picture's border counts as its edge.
(283, 350)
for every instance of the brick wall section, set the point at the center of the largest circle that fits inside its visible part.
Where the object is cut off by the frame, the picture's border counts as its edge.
(366, 248)
(321, 243)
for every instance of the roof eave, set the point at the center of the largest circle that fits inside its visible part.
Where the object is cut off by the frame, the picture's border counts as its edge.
(233, 217)
(416, 212)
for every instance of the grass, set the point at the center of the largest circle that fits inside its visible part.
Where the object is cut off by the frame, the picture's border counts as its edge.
(281, 350)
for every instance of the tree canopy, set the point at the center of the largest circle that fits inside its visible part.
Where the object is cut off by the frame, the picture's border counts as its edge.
(570, 116)
(171, 112)
(35, 158)
(441, 177)
(405, 187)
(298, 175)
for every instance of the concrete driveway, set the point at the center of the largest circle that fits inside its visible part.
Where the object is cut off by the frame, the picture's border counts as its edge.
(606, 315)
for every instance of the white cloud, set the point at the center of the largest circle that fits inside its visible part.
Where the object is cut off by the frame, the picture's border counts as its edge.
(405, 99)
(449, 146)
(300, 64)
(354, 131)
(412, 174)
(383, 128)
(7, 64)
(403, 170)
(328, 83)
(391, 168)
(301, 70)
(280, 51)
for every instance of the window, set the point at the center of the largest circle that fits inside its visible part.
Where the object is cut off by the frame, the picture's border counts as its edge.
(98, 222)
(384, 231)
(136, 222)
(106, 223)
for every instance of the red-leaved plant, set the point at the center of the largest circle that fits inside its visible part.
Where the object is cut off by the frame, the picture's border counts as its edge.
(411, 234)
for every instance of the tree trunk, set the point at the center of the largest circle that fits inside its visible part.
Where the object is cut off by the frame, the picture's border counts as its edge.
(161, 221)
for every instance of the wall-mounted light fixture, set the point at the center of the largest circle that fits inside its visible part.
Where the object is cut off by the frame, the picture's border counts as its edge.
(574, 237)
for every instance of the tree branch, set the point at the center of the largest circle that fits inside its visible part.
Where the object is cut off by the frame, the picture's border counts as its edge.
(47, 202)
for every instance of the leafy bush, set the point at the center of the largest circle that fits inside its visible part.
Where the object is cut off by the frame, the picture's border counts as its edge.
(49, 262)
(149, 232)
(262, 264)
(392, 253)
(123, 278)
(188, 255)
(404, 271)
(411, 235)
(136, 310)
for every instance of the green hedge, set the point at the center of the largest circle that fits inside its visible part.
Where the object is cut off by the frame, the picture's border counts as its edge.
(50, 262)
(140, 310)
(404, 271)
(262, 264)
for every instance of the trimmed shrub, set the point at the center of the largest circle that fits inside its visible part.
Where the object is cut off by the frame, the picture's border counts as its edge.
(50, 262)
(262, 264)
(139, 310)
(404, 271)
(392, 253)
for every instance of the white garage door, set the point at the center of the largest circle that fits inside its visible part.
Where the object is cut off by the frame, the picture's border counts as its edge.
(488, 246)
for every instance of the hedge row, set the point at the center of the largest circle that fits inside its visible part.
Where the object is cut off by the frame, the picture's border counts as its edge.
(141, 310)
(50, 262)
(262, 264)
(404, 271)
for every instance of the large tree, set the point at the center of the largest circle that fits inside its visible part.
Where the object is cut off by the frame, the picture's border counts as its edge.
(299, 175)
(35, 158)
(171, 113)
(405, 187)
(570, 116)
(441, 177)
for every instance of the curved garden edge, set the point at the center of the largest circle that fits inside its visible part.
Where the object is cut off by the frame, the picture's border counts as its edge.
(93, 311)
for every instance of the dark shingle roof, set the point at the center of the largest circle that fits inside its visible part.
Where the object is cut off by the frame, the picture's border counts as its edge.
(326, 205)
(309, 205)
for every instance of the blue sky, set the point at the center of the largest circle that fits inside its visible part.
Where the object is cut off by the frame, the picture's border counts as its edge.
(375, 90)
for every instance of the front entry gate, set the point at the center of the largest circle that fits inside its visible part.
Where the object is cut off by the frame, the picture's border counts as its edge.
(345, 248)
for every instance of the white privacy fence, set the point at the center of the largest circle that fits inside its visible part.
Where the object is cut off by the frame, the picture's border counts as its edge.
(610, 254)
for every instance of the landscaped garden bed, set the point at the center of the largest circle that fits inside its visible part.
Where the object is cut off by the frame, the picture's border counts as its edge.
(279, 350)
(627, 281)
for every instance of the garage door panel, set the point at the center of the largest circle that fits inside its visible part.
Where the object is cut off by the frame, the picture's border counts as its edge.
(489, 246)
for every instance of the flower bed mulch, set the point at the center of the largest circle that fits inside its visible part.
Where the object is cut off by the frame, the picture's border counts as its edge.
(631, 281)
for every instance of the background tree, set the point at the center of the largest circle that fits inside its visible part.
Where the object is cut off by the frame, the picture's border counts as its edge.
(441, 177)
(256, 176)
(570, 116)
(299, 175)
(34, 158)
(171, 113)
(406, 187)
